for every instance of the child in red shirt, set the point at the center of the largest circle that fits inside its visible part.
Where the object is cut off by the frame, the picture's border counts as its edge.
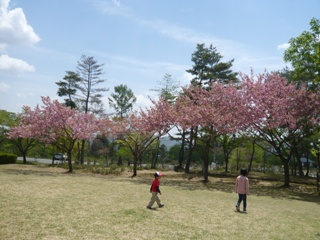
(154, 190)
(242, 188)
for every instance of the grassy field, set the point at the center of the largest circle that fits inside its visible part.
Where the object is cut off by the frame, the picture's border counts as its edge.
(38, 202)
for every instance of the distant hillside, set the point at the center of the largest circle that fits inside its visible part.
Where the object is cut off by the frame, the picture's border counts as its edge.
(167, 142)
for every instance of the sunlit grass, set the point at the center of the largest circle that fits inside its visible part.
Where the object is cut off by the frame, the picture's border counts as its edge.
(45, 203)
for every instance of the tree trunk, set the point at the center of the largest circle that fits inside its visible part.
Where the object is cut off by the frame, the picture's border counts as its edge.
(227, 163)
(181, 152)
(189, 157)
(135, 163)
(299, 163)
(286, 172)
(225, 152)
(238, 159)
(120, 163)
(318, 158)
(207, 145)
(70, 165)
(226, 157)
(251, 157)
(308, 166)
(157, 154)
(190, 152)
(153, 156)
(24, 155)
(83, 142)
(285, 159)
(70, 162)
(78, 152)
(206, 161)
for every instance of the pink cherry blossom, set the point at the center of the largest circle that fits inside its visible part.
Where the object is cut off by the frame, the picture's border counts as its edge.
(55, 124)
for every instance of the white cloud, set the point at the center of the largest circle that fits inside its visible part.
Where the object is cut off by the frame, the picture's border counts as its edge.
(189, 35)
(231, 49)
(186, 79)
(14, 28)
(24, 95)
(14, 65)
(116, 2)
(4, 87)
(169, 29)
(112, 7)
(142, 102)
(245, 59)
(283, 46)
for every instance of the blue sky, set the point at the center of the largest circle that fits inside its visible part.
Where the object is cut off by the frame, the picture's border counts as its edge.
(138, 41)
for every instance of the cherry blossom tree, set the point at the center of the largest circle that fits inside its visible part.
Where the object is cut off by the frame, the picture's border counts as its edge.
(213, 110)
(278, 112)
(265, 105)
(55, 124)
(23, 144)
(185, 129)
(142, 128)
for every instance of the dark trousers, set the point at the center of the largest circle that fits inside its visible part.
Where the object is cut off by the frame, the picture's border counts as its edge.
(242, 197)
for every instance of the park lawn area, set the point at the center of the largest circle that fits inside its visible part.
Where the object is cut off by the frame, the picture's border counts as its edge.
(41, 202)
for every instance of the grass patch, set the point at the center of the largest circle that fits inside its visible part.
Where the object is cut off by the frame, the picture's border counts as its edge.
(45, 203)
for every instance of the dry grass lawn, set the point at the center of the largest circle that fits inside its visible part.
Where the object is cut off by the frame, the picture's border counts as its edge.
(38, 202)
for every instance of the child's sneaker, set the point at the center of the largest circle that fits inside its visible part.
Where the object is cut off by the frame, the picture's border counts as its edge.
(149, 207)
(244, 210)
(161, 205)
(238, 209)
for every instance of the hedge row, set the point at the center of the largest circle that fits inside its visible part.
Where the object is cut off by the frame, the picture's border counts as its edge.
(7, 158)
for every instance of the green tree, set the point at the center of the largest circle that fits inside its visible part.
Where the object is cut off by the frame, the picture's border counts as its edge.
(68, 88)
(304, 55)
(124, 153)
(168, 89)
(208, 67)
(228, 143)
(174, 153)
(89, 101)
(90, 73)
(315, 147)
(83, 91)
(7, 120)
(122, 100)
(24, 145)
(287, 73)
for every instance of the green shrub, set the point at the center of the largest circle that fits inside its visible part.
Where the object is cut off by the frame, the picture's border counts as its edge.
(98, 169)
(8, 158)
(113, 166)
(145, 167)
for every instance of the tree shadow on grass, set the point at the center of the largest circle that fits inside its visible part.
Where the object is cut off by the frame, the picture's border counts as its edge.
(270, 187)
(224, 182)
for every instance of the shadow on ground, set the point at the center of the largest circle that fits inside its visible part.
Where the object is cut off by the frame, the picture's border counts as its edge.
(305, 190)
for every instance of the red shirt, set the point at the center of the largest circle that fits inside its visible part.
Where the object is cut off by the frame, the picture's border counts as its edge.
(155, 185)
